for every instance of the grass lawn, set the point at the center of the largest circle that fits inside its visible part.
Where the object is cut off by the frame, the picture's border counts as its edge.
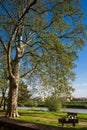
(50, 118)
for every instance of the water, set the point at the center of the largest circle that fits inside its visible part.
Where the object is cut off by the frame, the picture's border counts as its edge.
(34, 108)
(76, 110)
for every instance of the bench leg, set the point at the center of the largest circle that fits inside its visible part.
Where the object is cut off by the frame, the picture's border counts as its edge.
(62, 123)
(73, 123)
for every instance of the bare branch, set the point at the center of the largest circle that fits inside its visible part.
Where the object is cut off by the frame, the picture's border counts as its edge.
(7, 11)
(47, 26)
(47, 9)
(4, 44)
(30, 71)
(27, 9)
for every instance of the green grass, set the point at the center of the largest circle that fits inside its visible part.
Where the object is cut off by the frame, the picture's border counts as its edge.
(42, 113)
(49, 118)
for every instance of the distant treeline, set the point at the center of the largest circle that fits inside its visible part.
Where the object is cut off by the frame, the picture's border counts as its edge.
(71, 104)
(75, 104)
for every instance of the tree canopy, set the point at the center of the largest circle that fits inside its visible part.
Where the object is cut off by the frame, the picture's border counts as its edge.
(43, 36)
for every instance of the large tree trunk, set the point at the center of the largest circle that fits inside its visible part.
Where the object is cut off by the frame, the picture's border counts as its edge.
(12, 110)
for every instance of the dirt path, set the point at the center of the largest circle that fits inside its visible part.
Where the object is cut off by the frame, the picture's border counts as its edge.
(83, 123)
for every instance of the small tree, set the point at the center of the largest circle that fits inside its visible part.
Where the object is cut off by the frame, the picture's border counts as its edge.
(24, 94)
(4, 84)
(53, 103)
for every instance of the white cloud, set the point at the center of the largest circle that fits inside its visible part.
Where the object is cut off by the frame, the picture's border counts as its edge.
(80, 85)
(80, 90)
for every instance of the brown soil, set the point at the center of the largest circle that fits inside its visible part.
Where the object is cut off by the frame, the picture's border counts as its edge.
(83, 123)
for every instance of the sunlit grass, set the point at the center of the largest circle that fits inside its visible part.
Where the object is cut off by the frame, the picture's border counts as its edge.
(42, 114)
(48, 118)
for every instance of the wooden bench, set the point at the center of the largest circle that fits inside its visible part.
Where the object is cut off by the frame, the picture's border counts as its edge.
(71, 118)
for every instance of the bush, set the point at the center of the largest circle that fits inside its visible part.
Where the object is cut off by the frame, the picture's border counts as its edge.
(41, 104)
(53, 103)
(30, 103)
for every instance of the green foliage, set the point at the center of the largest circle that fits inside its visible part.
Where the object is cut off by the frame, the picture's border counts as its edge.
(4, 84)
(53, 103)
(28, 103)
(31, 103)
(41, 104)
(75, 104)
(24, 94)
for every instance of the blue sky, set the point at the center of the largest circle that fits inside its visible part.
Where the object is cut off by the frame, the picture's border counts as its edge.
(80, 84)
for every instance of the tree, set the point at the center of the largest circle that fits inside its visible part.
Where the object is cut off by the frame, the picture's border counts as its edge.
(3, 88)
(3, 80)
(31, 28)
(23, 90)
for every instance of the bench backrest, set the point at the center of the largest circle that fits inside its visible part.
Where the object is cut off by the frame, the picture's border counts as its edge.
(71, 114)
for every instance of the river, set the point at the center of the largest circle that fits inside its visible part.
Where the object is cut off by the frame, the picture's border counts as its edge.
(34, 108)
(76, 110)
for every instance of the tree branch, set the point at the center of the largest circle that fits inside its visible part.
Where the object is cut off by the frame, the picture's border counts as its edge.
(4, 44)
(47, 9)
(7, 11)
(27, 9)
(30, 71)
(68, 35)
(9, 50)
(14, 34)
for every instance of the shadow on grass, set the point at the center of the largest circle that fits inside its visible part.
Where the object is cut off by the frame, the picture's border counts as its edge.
(2, 112)
(82, 128)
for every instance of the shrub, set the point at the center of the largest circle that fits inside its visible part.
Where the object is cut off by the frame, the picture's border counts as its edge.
(30, 103)
(41, 104)
(53, 103)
